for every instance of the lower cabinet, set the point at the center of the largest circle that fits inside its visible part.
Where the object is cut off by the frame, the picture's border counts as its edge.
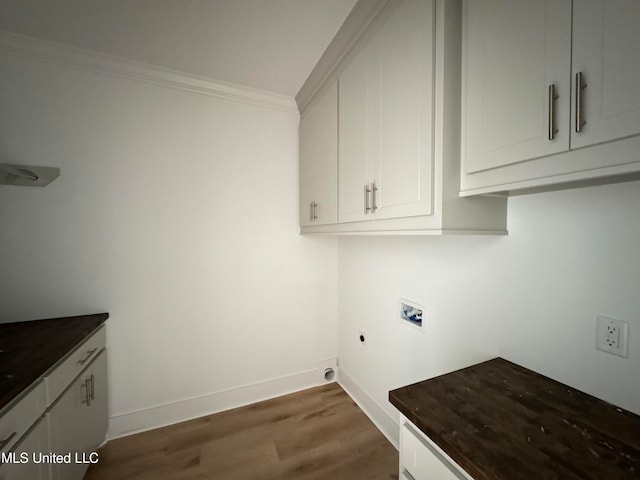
(78, 420)
(54, 430)
(420, 458)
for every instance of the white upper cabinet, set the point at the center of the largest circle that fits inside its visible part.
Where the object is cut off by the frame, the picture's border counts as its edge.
(541, 80)
(397, 66)
(606, 53)
(518, 56)
(319, 159)
(386, 125)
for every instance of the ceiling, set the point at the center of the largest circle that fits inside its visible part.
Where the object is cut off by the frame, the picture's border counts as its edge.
(270, 45)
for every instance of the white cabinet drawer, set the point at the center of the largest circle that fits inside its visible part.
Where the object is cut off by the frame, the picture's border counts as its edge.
(60, 378)
(16, 421)
(421, 460)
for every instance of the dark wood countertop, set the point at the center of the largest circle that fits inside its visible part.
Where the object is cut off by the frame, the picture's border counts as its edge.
(29, 349)
(500, 421)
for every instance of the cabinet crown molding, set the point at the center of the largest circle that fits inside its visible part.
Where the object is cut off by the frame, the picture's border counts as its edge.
(65, 55)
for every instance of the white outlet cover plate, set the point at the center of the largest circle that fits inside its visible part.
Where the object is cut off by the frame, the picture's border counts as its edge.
(602, 334)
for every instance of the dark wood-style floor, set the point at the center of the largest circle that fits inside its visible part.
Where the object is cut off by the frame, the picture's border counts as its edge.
(315, 434)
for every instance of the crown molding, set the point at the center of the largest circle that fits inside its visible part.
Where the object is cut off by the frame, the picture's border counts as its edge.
(355, 25)
(77, 58)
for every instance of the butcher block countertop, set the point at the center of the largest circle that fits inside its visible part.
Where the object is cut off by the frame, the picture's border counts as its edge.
(500, 421)
(29, 349)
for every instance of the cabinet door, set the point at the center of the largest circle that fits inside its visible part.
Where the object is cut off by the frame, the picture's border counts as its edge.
(78, 420)
(386, 111)
(319, 160)
(403, 167)
(34, 442)
(513, 51)
(606, 50)
(357, 112)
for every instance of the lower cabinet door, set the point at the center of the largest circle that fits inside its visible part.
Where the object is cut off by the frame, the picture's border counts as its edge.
(26, 461)
(78, 421)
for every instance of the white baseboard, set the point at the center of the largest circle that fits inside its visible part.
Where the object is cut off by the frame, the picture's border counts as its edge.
(388, 425)
(159, 416)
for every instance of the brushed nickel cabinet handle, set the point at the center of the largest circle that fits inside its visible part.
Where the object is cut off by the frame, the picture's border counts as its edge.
(552, 111)
(88, 356)
(311, 211)
(93, 386)
(374, 189)
(7, 441)
(315, 210)
(580, 86)
(367, 191)
(87, 392)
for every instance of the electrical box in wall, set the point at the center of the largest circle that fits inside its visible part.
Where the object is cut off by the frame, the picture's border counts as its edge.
(411, 313)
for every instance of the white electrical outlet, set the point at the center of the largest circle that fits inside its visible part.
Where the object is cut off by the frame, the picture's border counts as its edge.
(612, 335)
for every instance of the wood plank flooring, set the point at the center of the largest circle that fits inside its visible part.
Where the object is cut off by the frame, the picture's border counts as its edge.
(315, 434)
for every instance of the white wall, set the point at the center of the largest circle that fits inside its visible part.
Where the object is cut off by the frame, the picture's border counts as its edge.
(531, 297)
(177, 213)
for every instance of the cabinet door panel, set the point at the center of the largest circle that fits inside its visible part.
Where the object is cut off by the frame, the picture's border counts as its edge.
(355, 137)
(403, 171)
(385, 112)
(515, 49)
(606, 46)
(319, 159)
